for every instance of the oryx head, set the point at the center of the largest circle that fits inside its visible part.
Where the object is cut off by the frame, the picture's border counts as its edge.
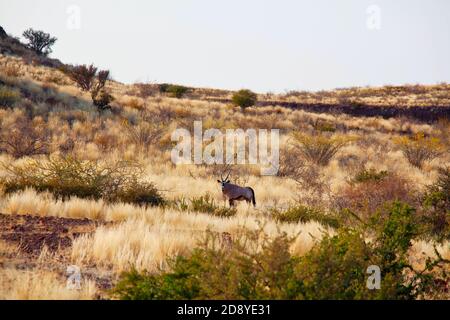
(223, 181)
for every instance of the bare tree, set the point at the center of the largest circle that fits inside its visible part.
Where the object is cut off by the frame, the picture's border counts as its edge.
(39, 41)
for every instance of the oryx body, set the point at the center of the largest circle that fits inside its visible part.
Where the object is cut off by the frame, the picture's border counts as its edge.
(233, 192)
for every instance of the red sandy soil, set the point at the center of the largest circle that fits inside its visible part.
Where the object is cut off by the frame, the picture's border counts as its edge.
(31, 233)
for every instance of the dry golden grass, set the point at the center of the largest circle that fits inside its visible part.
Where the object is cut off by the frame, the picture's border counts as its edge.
(153, 235)
(145, 238)
(40, 285)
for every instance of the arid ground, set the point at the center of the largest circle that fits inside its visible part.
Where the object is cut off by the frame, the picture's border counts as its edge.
(377, 134)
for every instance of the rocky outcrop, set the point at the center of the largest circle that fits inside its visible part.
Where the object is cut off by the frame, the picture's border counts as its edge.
(3, 34)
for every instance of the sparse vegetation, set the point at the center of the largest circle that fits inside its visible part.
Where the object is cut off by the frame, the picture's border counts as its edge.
(331, 212)
(335, 268)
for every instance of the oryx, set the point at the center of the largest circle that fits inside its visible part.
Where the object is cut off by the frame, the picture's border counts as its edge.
(233, 192)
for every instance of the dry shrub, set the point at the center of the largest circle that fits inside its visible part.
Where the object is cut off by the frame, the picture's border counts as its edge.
(66, 146)
(56, 78)
(319, 149)
(89, 78)
(25, 137)
(144, 134)
(314, 186)
(82, 75)
(106, 141)
(135, 103)
(419, 149)
(290, 164)
(369, 192)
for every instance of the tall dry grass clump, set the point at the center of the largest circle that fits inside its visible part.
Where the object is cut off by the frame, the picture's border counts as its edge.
(319, 148)
(419, 148)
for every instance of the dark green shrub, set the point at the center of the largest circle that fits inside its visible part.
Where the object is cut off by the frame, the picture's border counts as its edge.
(436, 207)
(140, 193)
(8, 96)
(39, 41)
(163, 87)
(244, 98)
(102, 99)
(66, 177)
(177, 91)
(335, 268)
(173, 90)
(303, 214)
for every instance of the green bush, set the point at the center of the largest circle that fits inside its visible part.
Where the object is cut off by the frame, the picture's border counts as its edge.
(173, 90)
(244, 98)
(163, 87)
(204, 204)
(303, 214)
(257, 266)
(216, 272)
(436, 207)
(66, 177)
(8, 96)
(369, 175)
(177, 91)
(335, 268)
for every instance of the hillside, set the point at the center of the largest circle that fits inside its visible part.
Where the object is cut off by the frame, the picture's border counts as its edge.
(421, 102)
(96, 188)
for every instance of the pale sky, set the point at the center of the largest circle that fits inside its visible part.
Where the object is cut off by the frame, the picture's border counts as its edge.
(257, 44)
